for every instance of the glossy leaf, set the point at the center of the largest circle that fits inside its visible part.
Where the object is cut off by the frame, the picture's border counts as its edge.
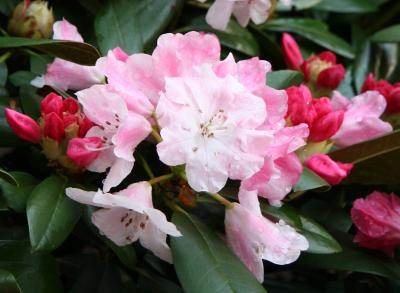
(80, 53)
(390, 34)
(309, 180)
(282, 79)
(347, 6)
(51, 214)
(314, 30)
(133, 25)
(203, 263)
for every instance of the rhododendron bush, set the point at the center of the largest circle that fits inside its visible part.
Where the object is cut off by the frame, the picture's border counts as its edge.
(199, 146)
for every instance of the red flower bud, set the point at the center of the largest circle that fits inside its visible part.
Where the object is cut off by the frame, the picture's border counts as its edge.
(326, 126)
(331, 77)
(322, 106)
(82, 151)
(377, 218)
(84, 126)
(327, 56)
(291, 52)
(71, 105)
(52, 103)
(300, 109)
(23, 126)
(70, 119)
(393, 101)
(333, 172)
(53, 127)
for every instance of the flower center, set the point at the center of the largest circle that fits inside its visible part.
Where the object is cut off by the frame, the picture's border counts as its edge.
(217, 123)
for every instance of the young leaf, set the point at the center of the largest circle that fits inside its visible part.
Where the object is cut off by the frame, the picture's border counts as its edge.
(203, 263)
(51, 214)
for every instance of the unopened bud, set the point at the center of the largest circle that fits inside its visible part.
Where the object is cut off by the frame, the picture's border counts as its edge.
(23, 126)
(82, 151)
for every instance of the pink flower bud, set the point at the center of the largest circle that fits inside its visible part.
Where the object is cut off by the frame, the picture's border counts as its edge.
(71, 105)
(53, 127)
(84, 125)
(82, 151)
(326, 126)
(23, 126)
(120, 54)
(331, 77)
(377, 218)
(291, 52)
(331, 171)
(52, 103)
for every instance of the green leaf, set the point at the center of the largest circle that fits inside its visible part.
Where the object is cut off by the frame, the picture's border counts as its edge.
(298, 5)
(390, 34)
(320, 241)
(346, 86)
(203, 263)
(30, 101)
(7, 6)
(8, 283)
(282, 79)
(233, 37)
(51, 214)
(22, 77)
(17, 193)
(150, 282)
(80, 53)
(309, 180)
(314, 30)
(133, 25)
(351, 259)
(347, 6)
(33, 272)
(362, 65)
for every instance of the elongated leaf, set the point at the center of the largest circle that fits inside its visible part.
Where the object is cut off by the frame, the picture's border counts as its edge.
(347, 6)
(204, 263)
(282, 79)
(320, 241)
(33, 272)
(17, 194)
(80, 53)
(8, 283)
(133, 25)
(309, 180)
(362, 65)
(298, 4)
(390, 34)
(368, 149)
(233, 37)
(313, 30)
(51, 214)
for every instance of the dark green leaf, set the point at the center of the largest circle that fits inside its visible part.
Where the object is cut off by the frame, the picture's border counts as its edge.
(347, 6)
(309, 180)
(51, 214)
(298, 5)
(203, 263)
(17, 194)
(133, 25)
(314, 30)
(390, 34)
(150, 282)
(22, 77)
(30, 101)
(80, 53)
(8, 284)
(233, 37)
(282, 79)
(7, 6)
(7, 177)
(38, 63)
(3, 74)
(362, 65)
(33, 272)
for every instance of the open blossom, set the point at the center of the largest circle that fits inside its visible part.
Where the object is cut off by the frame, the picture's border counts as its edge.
(377, 218)
(389, 91)
(119, 129)
(221, 10)
(63, 74)
(361, 118)
(220, 139)
(322, 120)
(129, 215)
(320, 70)
(332, 171)
(253, 237)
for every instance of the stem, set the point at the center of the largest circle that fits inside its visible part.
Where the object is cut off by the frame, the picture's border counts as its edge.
(154, 116)
(146, 167)
(161, 178)
(5, 56)
(221, 200)
(156, 135)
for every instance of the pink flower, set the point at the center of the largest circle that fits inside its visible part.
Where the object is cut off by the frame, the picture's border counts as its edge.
(23, 126)
(82, 151)
(377, 218)
(120, 130)
(390, 92)
(333, 172)
(128, 215)
(318, 114)
(221, 10)
(220, 139)
(254, 238)
(361, 119)
(63, 74)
